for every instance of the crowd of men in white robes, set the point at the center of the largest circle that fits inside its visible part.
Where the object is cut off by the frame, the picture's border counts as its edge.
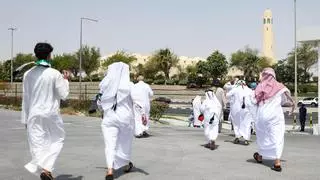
(126, 111)
(259, 107)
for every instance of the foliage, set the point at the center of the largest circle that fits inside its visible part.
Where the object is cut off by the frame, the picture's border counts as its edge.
(285, 72)
(119, 56)
(66, 62)
(216, 65)
(90, 59)
(164, 60)
(306, 57)
(150, 69)
(157, 110)
(249, 62)
(19, 60)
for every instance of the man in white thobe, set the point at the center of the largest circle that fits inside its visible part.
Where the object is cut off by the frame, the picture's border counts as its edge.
(141, 94)
(220, 94)
(196, 104)
(211, 109)
(241, 116)
(118, 117)
(43, 88)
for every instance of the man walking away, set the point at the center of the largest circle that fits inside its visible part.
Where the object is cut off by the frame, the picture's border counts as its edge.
(43, 88)
(303, 116)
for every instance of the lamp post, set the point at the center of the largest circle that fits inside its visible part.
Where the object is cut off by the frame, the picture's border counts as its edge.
(11, 68)
(295, 54)
(80, 55)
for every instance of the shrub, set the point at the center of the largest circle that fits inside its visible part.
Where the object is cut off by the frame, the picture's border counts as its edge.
(148, 81)
(170, 82)
(157, 110)
(315, 78)
(183, 82)
(159, 81)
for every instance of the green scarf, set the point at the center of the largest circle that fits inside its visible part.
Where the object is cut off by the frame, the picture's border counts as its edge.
(43, 62)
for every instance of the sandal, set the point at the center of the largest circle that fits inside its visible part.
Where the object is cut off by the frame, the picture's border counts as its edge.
(246, 142)
(276, 168)
(46, 176)
(236, 141)
(256, 156)
(129, 167)
(109, 177)
(212, 145)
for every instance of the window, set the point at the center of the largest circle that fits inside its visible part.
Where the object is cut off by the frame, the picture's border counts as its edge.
(271, 21)
(264, 20)
(268, 21)
(267, 29)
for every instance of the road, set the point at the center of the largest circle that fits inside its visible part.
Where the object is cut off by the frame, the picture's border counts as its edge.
(170, 153)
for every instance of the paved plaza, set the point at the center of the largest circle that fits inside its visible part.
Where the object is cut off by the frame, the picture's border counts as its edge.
(171, 153)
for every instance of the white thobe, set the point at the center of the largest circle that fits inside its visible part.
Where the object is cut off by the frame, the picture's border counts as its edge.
(241, 118)
(220, 94)
(141, 94)
(118, 129)
(211, 108)
(196, 104)
(270, 126)
(43, 88)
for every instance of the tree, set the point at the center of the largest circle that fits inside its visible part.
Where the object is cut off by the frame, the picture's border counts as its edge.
(66, 62)
(216, 65)
(249, 62)
(150, 69)
(19, 60)
(119, 56)
(285, 71)
(306, 57)
(164, 60)
(90, 59)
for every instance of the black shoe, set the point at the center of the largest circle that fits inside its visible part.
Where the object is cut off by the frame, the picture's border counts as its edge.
(276, 168)
(139, 136)
(246, 142)
(145, 134)
(109, 177)
(236, 141)
(129, 167)
(46, 176)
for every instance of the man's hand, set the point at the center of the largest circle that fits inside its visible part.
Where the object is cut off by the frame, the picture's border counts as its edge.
(144, 119)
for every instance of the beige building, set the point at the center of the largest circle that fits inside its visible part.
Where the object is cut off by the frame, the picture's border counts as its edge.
(268, 39)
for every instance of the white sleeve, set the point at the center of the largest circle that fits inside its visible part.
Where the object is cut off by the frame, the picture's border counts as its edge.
(62, 87)
(25, 104)
(150, 92)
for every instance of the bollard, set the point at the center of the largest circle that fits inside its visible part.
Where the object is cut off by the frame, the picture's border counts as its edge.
(311, 124)
(294, 121)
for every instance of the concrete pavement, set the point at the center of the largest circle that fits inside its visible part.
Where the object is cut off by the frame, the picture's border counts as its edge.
(170, 153)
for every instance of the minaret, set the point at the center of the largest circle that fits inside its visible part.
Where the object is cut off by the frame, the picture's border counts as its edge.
(268, 36)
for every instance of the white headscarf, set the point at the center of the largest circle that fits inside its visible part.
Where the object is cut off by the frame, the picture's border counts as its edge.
(115, 86)
(212, 100)
(196, 103)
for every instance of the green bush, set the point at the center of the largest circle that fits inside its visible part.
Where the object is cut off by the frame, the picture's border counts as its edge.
(159, 81)
(170, 82)
(183, 82)
(303, 88)
(157, 110)
(149, 81)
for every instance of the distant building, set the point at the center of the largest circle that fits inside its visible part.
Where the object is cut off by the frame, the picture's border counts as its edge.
(268, 39)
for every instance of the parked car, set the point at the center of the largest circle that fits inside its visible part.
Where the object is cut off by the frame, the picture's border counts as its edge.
(312, 101)
(163, 99)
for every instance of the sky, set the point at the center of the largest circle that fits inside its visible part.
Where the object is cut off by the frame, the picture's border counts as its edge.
(189, 27)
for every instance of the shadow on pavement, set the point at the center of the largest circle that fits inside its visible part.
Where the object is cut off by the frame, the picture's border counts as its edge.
(68, 177)
(265, 162)
(120, 172)
(204, 145)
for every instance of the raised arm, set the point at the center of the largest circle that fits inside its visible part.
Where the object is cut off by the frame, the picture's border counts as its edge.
(62, 86)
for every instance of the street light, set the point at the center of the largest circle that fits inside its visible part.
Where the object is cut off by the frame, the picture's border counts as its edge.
(80, 56)
(295, 53)
(11, 69)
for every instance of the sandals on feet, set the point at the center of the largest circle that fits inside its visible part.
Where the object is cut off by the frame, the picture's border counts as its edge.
(109, 177)
(46, 176)
(257, 157)
(236, 141)
(246, 142)
(276, 168)
(129, 167)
